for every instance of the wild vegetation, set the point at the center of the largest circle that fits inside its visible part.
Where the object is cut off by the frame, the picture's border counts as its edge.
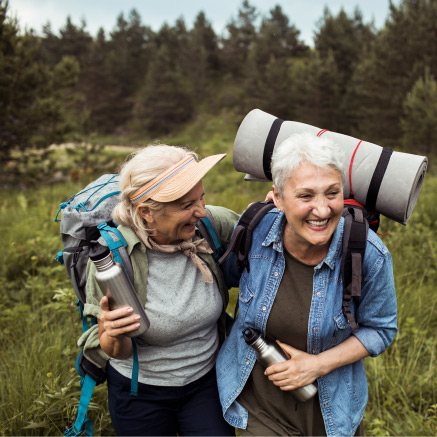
(191, 87)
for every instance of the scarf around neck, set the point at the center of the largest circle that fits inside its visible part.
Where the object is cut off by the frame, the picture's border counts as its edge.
(189, 248)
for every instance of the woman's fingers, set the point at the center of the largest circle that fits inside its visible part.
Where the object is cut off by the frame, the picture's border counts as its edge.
(119, 321)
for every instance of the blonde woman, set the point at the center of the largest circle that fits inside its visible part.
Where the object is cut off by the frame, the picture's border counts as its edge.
(183, 292)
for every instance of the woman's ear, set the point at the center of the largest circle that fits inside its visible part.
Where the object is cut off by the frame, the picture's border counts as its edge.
(145, 213)
(276, 198)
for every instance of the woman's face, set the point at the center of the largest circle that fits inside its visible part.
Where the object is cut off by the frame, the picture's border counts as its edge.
(313, 205)
(177, 221)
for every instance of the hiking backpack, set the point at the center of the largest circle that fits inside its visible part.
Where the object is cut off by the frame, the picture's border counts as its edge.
(86, 217)
(357, 222)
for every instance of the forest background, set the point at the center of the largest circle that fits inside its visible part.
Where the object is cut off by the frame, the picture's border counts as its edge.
(66, 98)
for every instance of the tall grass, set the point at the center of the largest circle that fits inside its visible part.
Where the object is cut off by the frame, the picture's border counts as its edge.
(39, 324)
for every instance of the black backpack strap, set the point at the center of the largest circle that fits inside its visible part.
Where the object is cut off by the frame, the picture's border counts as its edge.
(378, 175)
(269, 146)
(354, 246)
(242, 236)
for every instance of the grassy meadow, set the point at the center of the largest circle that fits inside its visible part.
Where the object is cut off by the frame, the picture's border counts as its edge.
(39, 323)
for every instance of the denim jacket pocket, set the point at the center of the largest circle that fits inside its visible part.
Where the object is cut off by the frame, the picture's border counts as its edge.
(245, 297)
(342, 330)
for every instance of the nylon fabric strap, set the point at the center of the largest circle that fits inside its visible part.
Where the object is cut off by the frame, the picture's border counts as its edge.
(348, 314)
(356, 274)
(135, 370)
(113, 245)
(269, 146)
(88, 385)
(85, 326)
(235, 241)
(257, 216)
(378, 175)
(214, 237)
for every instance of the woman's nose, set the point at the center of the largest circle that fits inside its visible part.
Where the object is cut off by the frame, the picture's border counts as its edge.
(321, 208)
(199, 209)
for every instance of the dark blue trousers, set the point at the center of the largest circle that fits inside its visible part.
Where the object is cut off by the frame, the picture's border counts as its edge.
(193, 409)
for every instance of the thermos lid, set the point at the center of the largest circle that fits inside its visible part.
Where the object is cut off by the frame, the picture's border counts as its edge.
(251, 335)
(98, 251)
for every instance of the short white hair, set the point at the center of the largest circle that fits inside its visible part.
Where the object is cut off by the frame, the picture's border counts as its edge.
(298, 148)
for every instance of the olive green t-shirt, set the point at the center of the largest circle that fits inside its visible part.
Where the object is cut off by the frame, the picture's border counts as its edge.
(271, 410)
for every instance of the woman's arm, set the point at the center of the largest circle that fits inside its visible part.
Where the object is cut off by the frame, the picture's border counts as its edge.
(303, 368)
(112, 327)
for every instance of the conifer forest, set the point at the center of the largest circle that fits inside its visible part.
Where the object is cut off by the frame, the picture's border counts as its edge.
(74, 105)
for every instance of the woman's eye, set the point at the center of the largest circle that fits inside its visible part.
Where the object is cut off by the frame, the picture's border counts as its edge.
(305, 196)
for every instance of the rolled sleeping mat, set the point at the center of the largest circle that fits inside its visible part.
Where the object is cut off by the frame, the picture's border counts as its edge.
(385, 181)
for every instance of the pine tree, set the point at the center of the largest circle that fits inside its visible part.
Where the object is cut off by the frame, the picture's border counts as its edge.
(241, 37)
(203, 56)
(386, 73)
(129, 52)
(30, 104)
(165, 100)
(419, 127)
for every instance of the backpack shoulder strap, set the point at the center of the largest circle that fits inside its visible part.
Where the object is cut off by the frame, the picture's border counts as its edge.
(118, 249)
(208, 231)
(354, 246)
(117, 244)
(241, 240)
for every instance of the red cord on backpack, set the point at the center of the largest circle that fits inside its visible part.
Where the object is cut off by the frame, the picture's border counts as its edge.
(351, 194)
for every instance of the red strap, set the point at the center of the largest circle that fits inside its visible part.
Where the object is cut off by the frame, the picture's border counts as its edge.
(321, 132)
(350, 169)
(352, 202)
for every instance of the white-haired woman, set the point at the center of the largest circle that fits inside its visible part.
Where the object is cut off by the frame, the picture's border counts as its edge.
(183, 292)
(293, 295)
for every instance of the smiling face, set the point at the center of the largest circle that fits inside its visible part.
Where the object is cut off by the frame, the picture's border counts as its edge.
(177, 221)
(312, 201)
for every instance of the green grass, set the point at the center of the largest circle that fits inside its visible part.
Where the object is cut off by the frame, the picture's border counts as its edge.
(39, 325)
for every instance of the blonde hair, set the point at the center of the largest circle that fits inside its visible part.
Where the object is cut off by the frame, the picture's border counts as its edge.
(140, 168)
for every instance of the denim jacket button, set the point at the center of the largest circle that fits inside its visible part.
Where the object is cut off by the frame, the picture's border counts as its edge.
(318, 293)
(264, 307)
(248, 362)
(276, 273)
(314, 329)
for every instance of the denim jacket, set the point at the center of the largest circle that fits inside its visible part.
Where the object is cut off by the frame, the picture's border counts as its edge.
(343, 392)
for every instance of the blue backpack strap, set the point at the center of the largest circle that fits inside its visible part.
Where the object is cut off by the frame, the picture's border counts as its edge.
(209, 232)
(114, 246)
(135, 369)
(82, 423)
(85, 326)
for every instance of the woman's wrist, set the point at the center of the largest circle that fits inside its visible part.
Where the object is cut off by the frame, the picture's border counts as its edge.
(116, 347)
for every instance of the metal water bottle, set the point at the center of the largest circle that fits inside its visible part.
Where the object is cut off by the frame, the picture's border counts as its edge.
(115, 284)
(270, 353)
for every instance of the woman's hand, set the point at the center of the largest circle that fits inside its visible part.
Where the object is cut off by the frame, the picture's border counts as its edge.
(303, 368)
(300, 370)
(112, 327)
(117, 322)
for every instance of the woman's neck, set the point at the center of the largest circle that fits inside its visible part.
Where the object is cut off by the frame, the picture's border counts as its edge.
(305, 252)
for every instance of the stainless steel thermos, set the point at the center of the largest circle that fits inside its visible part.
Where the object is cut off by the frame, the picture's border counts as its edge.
(270, 353)
(115, 284)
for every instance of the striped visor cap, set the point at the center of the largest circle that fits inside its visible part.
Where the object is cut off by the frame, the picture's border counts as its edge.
(177, 180)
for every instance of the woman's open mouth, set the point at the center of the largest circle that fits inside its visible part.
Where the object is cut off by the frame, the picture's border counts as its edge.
(318, 224)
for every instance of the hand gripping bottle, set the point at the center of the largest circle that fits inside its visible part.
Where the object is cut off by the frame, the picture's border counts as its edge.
(115, 284)
(268, 354)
